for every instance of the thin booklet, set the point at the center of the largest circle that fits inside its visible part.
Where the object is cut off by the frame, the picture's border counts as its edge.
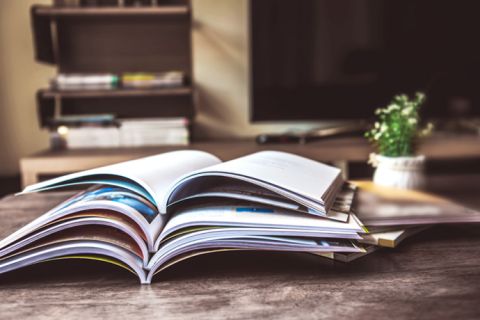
(151, 213)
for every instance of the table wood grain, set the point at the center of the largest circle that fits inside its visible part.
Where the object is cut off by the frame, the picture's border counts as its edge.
(433, 275)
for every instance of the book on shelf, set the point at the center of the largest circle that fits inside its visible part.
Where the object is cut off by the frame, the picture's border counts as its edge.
(73, 81)
(84, 120)
(148, 214)
(153, 80)
(154, 132)
(90, 132)
(109, 81)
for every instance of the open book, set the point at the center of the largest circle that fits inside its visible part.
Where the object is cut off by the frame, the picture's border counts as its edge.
(147, 214)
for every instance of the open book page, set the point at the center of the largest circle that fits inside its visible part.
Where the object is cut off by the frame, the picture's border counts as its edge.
(160, 263)
(120, 200)
(84, 249)
(302, 180)
(250, 216)
(226, 188)
(235, 232)
(79, 222)
(256, 217)
(100, 205)
(180, 247)
(210, 189)
(150, 177)
(87, 233)
(10, 226)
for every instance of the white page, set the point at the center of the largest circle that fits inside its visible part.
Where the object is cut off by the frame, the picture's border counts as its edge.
(236, 232)
(251, 243)
(311, 180)
(306, 177)
(75, 248)
(88, 221)
(155, 173)
(232, 216)
(242, 231)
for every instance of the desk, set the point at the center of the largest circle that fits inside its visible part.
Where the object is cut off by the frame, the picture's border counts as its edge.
(434, 275)
(338, 151)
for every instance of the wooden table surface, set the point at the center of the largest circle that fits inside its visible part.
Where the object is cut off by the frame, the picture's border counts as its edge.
(433, 275)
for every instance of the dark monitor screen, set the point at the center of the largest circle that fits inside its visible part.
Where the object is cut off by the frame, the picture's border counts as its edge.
(330, 59)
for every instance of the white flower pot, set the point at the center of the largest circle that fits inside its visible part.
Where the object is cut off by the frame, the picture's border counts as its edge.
(399, 172)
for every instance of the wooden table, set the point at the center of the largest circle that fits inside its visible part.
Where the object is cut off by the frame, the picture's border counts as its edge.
(338, 151)
(434, 275)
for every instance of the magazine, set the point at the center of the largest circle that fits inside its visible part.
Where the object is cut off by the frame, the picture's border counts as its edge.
(148, 214)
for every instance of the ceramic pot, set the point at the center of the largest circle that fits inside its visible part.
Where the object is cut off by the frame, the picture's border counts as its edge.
(399, 172)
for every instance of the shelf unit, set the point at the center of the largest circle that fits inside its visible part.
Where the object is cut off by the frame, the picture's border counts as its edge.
(175, 91)
(166, 10)
(172, 102)
(115, 40)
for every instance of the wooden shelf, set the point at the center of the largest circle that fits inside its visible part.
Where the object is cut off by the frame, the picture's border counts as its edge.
(124, 103)
(116, 93)
(115, 40)
(167, 10)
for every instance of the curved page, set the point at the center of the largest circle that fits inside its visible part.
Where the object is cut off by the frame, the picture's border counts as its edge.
(93, 203)
(75, 248)
(253, 243)
(87, 222)
(150, 177)
(255, 217)
(302, 180)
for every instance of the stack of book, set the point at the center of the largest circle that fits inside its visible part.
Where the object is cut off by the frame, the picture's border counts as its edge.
(105, 81)
(109, 81)
(83, 131)
(105, 131)
(153, 80)
(148, 214)
(392, 215)
(153, 132)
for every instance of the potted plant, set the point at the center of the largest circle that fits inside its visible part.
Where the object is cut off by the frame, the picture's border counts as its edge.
(394, 136)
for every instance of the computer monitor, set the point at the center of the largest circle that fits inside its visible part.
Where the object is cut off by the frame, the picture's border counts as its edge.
(330, 59)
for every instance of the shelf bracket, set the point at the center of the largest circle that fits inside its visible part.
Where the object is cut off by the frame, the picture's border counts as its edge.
(55, 41)
(57, 107)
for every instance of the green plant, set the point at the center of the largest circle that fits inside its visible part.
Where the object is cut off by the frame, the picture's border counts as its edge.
(397, 128)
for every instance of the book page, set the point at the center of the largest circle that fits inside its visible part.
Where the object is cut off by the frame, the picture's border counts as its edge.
(150, 177)
(87, 233)
(105, 202)
(167, 253)
(303, 180)
(76, 249)
(256, 217)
